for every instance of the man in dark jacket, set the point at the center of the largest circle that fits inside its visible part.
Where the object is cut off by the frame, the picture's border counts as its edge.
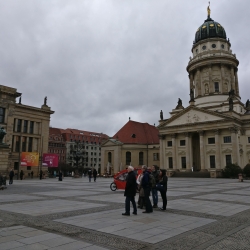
(94, 174)
(146, 187)
(130, 191)
(11, 175)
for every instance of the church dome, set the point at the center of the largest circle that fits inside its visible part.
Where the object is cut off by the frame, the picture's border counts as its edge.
(209, 29)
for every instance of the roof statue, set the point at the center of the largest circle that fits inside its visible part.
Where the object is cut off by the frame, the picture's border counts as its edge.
(208, 10)
(45, 100)
(161, 115)
(247, 104)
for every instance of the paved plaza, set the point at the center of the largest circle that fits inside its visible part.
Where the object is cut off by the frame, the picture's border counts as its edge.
(207, 214)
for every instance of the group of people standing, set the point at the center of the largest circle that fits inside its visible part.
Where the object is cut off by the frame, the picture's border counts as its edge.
(149, 181)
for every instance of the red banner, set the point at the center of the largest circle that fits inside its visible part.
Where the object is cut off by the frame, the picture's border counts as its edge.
(50, 160)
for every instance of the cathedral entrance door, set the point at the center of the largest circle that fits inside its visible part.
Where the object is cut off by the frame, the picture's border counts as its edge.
(196, 152)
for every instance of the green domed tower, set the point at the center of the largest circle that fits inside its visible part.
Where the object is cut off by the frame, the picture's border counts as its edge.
(213, 69)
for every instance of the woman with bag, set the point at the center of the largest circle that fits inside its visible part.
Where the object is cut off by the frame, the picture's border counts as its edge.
(162, 187)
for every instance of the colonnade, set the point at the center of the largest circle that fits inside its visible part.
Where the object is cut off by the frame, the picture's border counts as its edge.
(203, 147)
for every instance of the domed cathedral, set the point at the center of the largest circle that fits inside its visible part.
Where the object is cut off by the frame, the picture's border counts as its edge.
(214, 130)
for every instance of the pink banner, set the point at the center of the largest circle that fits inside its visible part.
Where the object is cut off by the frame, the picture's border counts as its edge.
(50, 160)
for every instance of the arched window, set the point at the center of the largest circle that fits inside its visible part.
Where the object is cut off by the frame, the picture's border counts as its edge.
(141, 158)
(128, 158)
(109, 157)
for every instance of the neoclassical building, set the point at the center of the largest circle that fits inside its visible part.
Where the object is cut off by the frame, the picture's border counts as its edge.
(214, 129)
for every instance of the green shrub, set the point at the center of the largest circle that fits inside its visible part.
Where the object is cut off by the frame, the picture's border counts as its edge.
(246, 170)
(231, 171)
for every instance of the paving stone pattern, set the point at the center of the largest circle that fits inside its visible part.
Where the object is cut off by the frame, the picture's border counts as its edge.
(204, 214)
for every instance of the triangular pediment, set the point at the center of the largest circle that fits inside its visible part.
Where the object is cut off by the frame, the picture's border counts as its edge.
(193, 115)
(111, 142)
(211, 151)
(227, 150)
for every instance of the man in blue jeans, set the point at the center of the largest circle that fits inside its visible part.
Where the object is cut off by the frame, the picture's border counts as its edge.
(155, 173)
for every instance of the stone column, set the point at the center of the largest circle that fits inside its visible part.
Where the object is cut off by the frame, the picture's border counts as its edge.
(211, 87)
(188, 166)
(236, 83)
(218, 149)
(235, 145)
(162, 150)
(232, 78)
(191, 80)
(174, 145)
(223, 79)
(201, 133)
(199, 82)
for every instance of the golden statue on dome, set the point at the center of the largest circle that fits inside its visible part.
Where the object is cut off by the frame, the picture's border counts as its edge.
(208, 10)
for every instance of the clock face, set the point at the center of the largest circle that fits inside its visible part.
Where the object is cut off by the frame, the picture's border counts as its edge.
(214, 46)
(204, 47)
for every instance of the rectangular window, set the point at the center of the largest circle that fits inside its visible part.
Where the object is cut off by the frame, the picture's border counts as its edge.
(25, 126)
(16, 165)
(31, 127)
(17, 146)
(28, 168)
(2, 115)
(170, 162)
(216, 87)
(141, 158)
(19, 125)
(248, 139)
(182, 142)
(228, 160)
(227, 139)
(211, 140)
(212, 161)
(156, 156)
(24, 140)
(169, 143)
(30, 144)
(183, 162)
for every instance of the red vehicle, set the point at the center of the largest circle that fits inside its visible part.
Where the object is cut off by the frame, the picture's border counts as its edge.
(120, 179)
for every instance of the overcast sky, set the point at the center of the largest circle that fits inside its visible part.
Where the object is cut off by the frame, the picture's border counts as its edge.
(100, 62)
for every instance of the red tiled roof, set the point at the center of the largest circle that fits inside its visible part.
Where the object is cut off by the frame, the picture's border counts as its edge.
(137, 133)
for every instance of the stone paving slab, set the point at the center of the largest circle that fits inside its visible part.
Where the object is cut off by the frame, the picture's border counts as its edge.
(208, 207)
(17, 197)
(42, 241)
(142, 227)
(67, 193)
(48, 207)
(225, 197)
(240, 192)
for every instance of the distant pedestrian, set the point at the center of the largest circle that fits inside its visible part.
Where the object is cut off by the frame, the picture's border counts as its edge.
(162, 187)
(146, 187)
(60, 176)
(41, 174)
(11, 175)
(31, 174)
(94, 174)
(90, 175)
(21, 175)
(130, 191)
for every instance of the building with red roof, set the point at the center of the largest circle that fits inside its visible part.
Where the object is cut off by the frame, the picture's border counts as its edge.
(134, 144)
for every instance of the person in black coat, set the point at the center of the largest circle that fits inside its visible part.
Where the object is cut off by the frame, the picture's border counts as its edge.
(94, 174)
(130, 191)
(162, 187)
(11, 175)
(60, 176)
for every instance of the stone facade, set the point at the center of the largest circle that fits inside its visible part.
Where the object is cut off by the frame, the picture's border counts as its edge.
(214, 130)
(27, 128)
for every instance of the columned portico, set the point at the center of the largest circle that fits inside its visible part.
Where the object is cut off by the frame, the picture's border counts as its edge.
(188, 153)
